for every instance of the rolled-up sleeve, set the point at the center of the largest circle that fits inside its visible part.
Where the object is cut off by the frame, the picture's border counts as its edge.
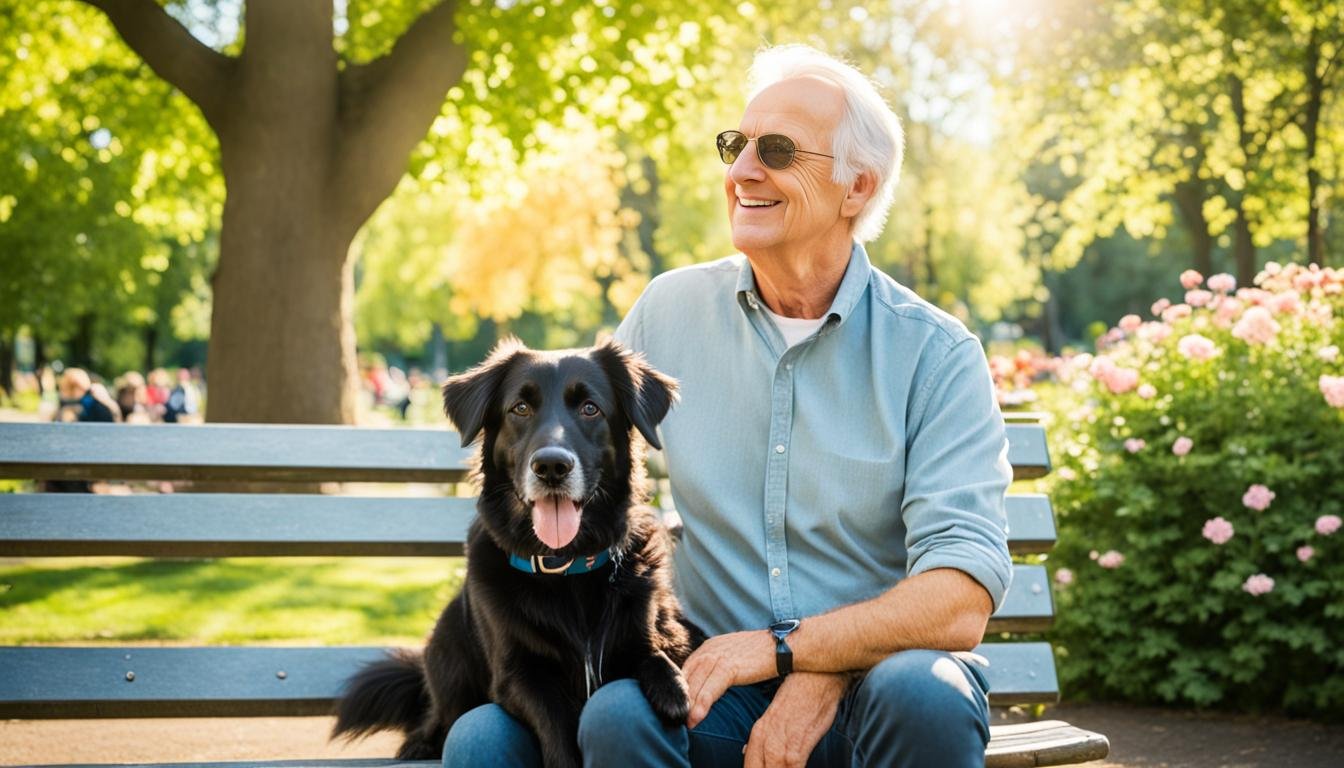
(957, 473)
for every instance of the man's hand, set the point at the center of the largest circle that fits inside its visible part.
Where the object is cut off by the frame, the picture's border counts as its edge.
(737, 658)
(802, 711)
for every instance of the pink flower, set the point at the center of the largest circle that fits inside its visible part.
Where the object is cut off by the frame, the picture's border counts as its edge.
(1218, 530)
(1134, 445)
(1111, 559)
(1154, 332)
(1122, 380)
(1190, 278)
(1256, 326)
(1064, 576)
(1147, 391)
(1182, 445)
(1226, 312)
(1327, 524)
(1160, 306)
(1176, 312)
(1259, 584)
(1222, 283)
(1333, 389)
(1198, 297)
(1093, 554)
(1130, 323)
(1286, 303)
(1328, 354)
(1101, 367)
(1304, 553)
(1066, 473)
(1197, 347)
(1258, 497)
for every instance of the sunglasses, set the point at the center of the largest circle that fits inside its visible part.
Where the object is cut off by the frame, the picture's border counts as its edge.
(774, 150)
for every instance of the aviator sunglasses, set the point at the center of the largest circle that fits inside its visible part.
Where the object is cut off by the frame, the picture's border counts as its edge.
(774, 150)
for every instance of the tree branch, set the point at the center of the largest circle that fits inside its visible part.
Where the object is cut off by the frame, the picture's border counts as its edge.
(387, 107)
(170, 50)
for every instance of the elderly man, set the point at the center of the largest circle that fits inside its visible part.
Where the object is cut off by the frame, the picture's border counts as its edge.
(838, 459)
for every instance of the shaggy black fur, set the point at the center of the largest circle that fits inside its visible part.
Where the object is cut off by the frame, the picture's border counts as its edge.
(526, 641)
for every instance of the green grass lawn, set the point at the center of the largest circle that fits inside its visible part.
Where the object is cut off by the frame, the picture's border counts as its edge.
(322, 601)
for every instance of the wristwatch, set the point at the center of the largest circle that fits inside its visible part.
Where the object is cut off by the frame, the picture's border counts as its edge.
(783, 653)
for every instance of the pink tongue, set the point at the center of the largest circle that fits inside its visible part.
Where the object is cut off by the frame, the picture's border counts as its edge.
(556, 520)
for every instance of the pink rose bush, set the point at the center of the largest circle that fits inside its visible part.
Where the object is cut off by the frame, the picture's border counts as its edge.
(1257, 497)
(1218, 530)
(1199, 493)
(1259, 584)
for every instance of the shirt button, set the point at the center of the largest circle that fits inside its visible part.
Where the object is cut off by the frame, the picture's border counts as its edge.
(774, 572)
(779, 448)
(788, 366)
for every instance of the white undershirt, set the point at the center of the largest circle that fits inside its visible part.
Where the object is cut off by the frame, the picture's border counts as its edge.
(794, 329)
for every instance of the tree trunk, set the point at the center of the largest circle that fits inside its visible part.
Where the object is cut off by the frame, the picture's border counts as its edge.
(1311, 128)
(279, 348)
(39, 362)
(1244, 245)
(309, 149)
(1189, 197)
(7, 364)
(151, 340)
(1244, 249)
(80, 347)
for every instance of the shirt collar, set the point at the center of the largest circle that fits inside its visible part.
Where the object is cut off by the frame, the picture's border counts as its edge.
(851, 290)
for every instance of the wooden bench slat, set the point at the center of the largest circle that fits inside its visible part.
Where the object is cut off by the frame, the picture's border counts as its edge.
(231, 525)
(1045, 742)
(1028, 606)
(1027, 451)
(288, 452)
(229, 452)
(1031, 523)
(236, 525)
(227, 681)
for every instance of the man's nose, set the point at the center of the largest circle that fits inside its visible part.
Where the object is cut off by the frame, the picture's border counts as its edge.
(747, 166)
(552, 464)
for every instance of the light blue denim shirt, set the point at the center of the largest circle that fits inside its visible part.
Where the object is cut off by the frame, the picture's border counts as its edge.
(820, 475)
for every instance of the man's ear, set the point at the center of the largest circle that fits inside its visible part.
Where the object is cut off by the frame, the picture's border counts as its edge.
(467, 397)
(861, 190)
(644, 394)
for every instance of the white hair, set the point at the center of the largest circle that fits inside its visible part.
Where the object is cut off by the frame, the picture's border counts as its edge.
(868, 137)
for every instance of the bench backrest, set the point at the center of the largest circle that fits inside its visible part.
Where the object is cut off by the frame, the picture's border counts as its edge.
(134, 681)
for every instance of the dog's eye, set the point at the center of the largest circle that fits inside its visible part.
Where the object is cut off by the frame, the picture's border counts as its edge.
(521, 409)
(590, 409)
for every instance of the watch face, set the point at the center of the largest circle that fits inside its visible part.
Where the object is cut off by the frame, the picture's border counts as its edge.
(781, 629)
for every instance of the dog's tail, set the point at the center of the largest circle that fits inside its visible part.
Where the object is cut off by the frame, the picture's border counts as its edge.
(387, 694)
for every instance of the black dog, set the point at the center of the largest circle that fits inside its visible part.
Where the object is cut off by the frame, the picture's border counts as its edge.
(567, 576)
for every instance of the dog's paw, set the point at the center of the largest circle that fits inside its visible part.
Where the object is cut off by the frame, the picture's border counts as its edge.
(667, 694)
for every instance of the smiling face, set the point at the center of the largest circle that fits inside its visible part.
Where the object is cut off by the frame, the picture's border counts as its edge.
(799, 209)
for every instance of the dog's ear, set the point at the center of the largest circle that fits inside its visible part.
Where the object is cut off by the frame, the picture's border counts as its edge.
(467, 397)
(644, 394)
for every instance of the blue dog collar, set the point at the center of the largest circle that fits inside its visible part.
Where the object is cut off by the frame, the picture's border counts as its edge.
(560, 566)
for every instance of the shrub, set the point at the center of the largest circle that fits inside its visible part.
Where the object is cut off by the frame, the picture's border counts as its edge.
(1199, 491)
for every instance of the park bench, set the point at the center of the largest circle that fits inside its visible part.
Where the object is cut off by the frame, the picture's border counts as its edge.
(133, 681)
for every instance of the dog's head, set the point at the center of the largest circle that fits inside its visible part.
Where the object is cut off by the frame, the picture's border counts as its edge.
(560, 461)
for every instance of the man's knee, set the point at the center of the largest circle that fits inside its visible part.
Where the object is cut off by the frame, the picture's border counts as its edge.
(615, 712)
(921, 686)
(482, 736)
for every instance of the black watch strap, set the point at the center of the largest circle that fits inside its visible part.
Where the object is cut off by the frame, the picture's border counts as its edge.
(783, 653)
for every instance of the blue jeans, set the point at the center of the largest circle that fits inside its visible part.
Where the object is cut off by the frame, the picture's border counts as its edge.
(915, 709)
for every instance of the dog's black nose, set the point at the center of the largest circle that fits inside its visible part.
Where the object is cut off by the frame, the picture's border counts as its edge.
(552, 464)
